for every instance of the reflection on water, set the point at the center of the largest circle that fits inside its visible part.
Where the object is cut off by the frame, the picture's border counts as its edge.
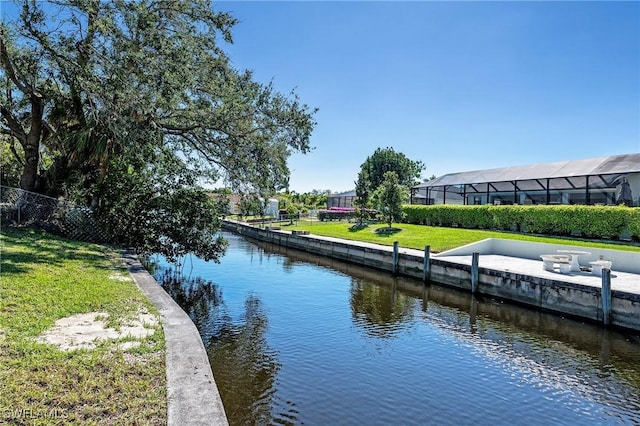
(295, 338)
(238, 350)
(247, 365)
(199, 298)
(380, 310)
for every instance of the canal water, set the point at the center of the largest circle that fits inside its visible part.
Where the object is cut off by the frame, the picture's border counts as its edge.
(295, 338)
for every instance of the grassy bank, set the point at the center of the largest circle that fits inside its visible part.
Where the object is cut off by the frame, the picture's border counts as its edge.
(439, 238)
(43, 279)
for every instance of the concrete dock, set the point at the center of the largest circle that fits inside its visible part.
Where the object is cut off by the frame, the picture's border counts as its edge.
(620, 281)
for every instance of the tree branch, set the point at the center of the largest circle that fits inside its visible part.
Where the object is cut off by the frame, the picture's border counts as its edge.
(14, 125)
(178, 130)
(7, 65)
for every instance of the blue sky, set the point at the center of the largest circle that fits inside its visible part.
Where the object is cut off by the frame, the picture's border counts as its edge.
(458, 85)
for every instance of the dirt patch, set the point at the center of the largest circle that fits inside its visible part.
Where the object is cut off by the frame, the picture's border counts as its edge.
(84, 331)
(120, 277)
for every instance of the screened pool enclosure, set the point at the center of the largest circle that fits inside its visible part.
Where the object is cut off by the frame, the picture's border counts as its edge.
(343, 199)
(605, 180)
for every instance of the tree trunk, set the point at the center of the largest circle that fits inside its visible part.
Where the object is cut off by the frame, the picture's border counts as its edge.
(32, 145)
(31, 159)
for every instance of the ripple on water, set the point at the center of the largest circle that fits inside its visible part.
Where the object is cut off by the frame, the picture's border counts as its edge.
(292, 343)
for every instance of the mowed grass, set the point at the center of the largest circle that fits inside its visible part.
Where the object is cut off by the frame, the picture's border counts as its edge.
(438, 238)
(44, 278)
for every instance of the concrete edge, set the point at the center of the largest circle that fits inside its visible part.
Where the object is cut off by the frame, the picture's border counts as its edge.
(192, 394)
(623, 261)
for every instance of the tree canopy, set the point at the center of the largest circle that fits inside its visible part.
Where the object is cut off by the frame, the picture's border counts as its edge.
(388, 160)
(96, 92)
(389, 197)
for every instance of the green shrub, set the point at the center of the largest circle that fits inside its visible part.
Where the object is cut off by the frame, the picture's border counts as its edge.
(505, 217)
(335, 215)
(603, 222)
(633, 223)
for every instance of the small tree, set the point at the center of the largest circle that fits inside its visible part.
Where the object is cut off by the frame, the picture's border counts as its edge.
(292, 211)
(250, 205)
(389, 198)
(288, 203)
(362, 201)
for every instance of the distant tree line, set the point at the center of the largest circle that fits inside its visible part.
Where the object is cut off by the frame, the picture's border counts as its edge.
(294, 202)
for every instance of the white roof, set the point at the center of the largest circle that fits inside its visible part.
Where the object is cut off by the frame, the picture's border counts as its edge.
(614, 164)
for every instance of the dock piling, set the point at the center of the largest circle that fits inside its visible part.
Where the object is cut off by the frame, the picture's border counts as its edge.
(475, 258)
(426, 267)
(396, 257)
(606, 295)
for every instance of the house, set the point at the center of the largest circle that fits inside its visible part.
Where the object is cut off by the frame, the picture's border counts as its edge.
(603, 180)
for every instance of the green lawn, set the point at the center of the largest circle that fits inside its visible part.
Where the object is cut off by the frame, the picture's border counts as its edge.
(44, 278)
(439, 239)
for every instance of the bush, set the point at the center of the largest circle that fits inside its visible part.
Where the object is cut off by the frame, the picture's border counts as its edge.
(336, 213)
(633, 223)
(603, 222)
(343, 213)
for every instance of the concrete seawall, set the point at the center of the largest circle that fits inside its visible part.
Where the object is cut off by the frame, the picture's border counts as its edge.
(192, 394)
(518, 283)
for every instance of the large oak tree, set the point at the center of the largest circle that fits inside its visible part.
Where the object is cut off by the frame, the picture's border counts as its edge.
(95, 92)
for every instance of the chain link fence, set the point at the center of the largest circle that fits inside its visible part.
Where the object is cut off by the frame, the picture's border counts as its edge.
(24, 208)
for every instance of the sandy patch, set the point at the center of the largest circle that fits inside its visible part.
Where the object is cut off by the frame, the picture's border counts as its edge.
(83, 331)
(120, 277)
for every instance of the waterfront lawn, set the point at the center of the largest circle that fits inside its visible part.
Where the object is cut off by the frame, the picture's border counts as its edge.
(44, 278)
(438, 238)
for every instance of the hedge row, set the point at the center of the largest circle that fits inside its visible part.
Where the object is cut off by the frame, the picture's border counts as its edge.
(604, 222)
(336, 215)
(344, 214)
